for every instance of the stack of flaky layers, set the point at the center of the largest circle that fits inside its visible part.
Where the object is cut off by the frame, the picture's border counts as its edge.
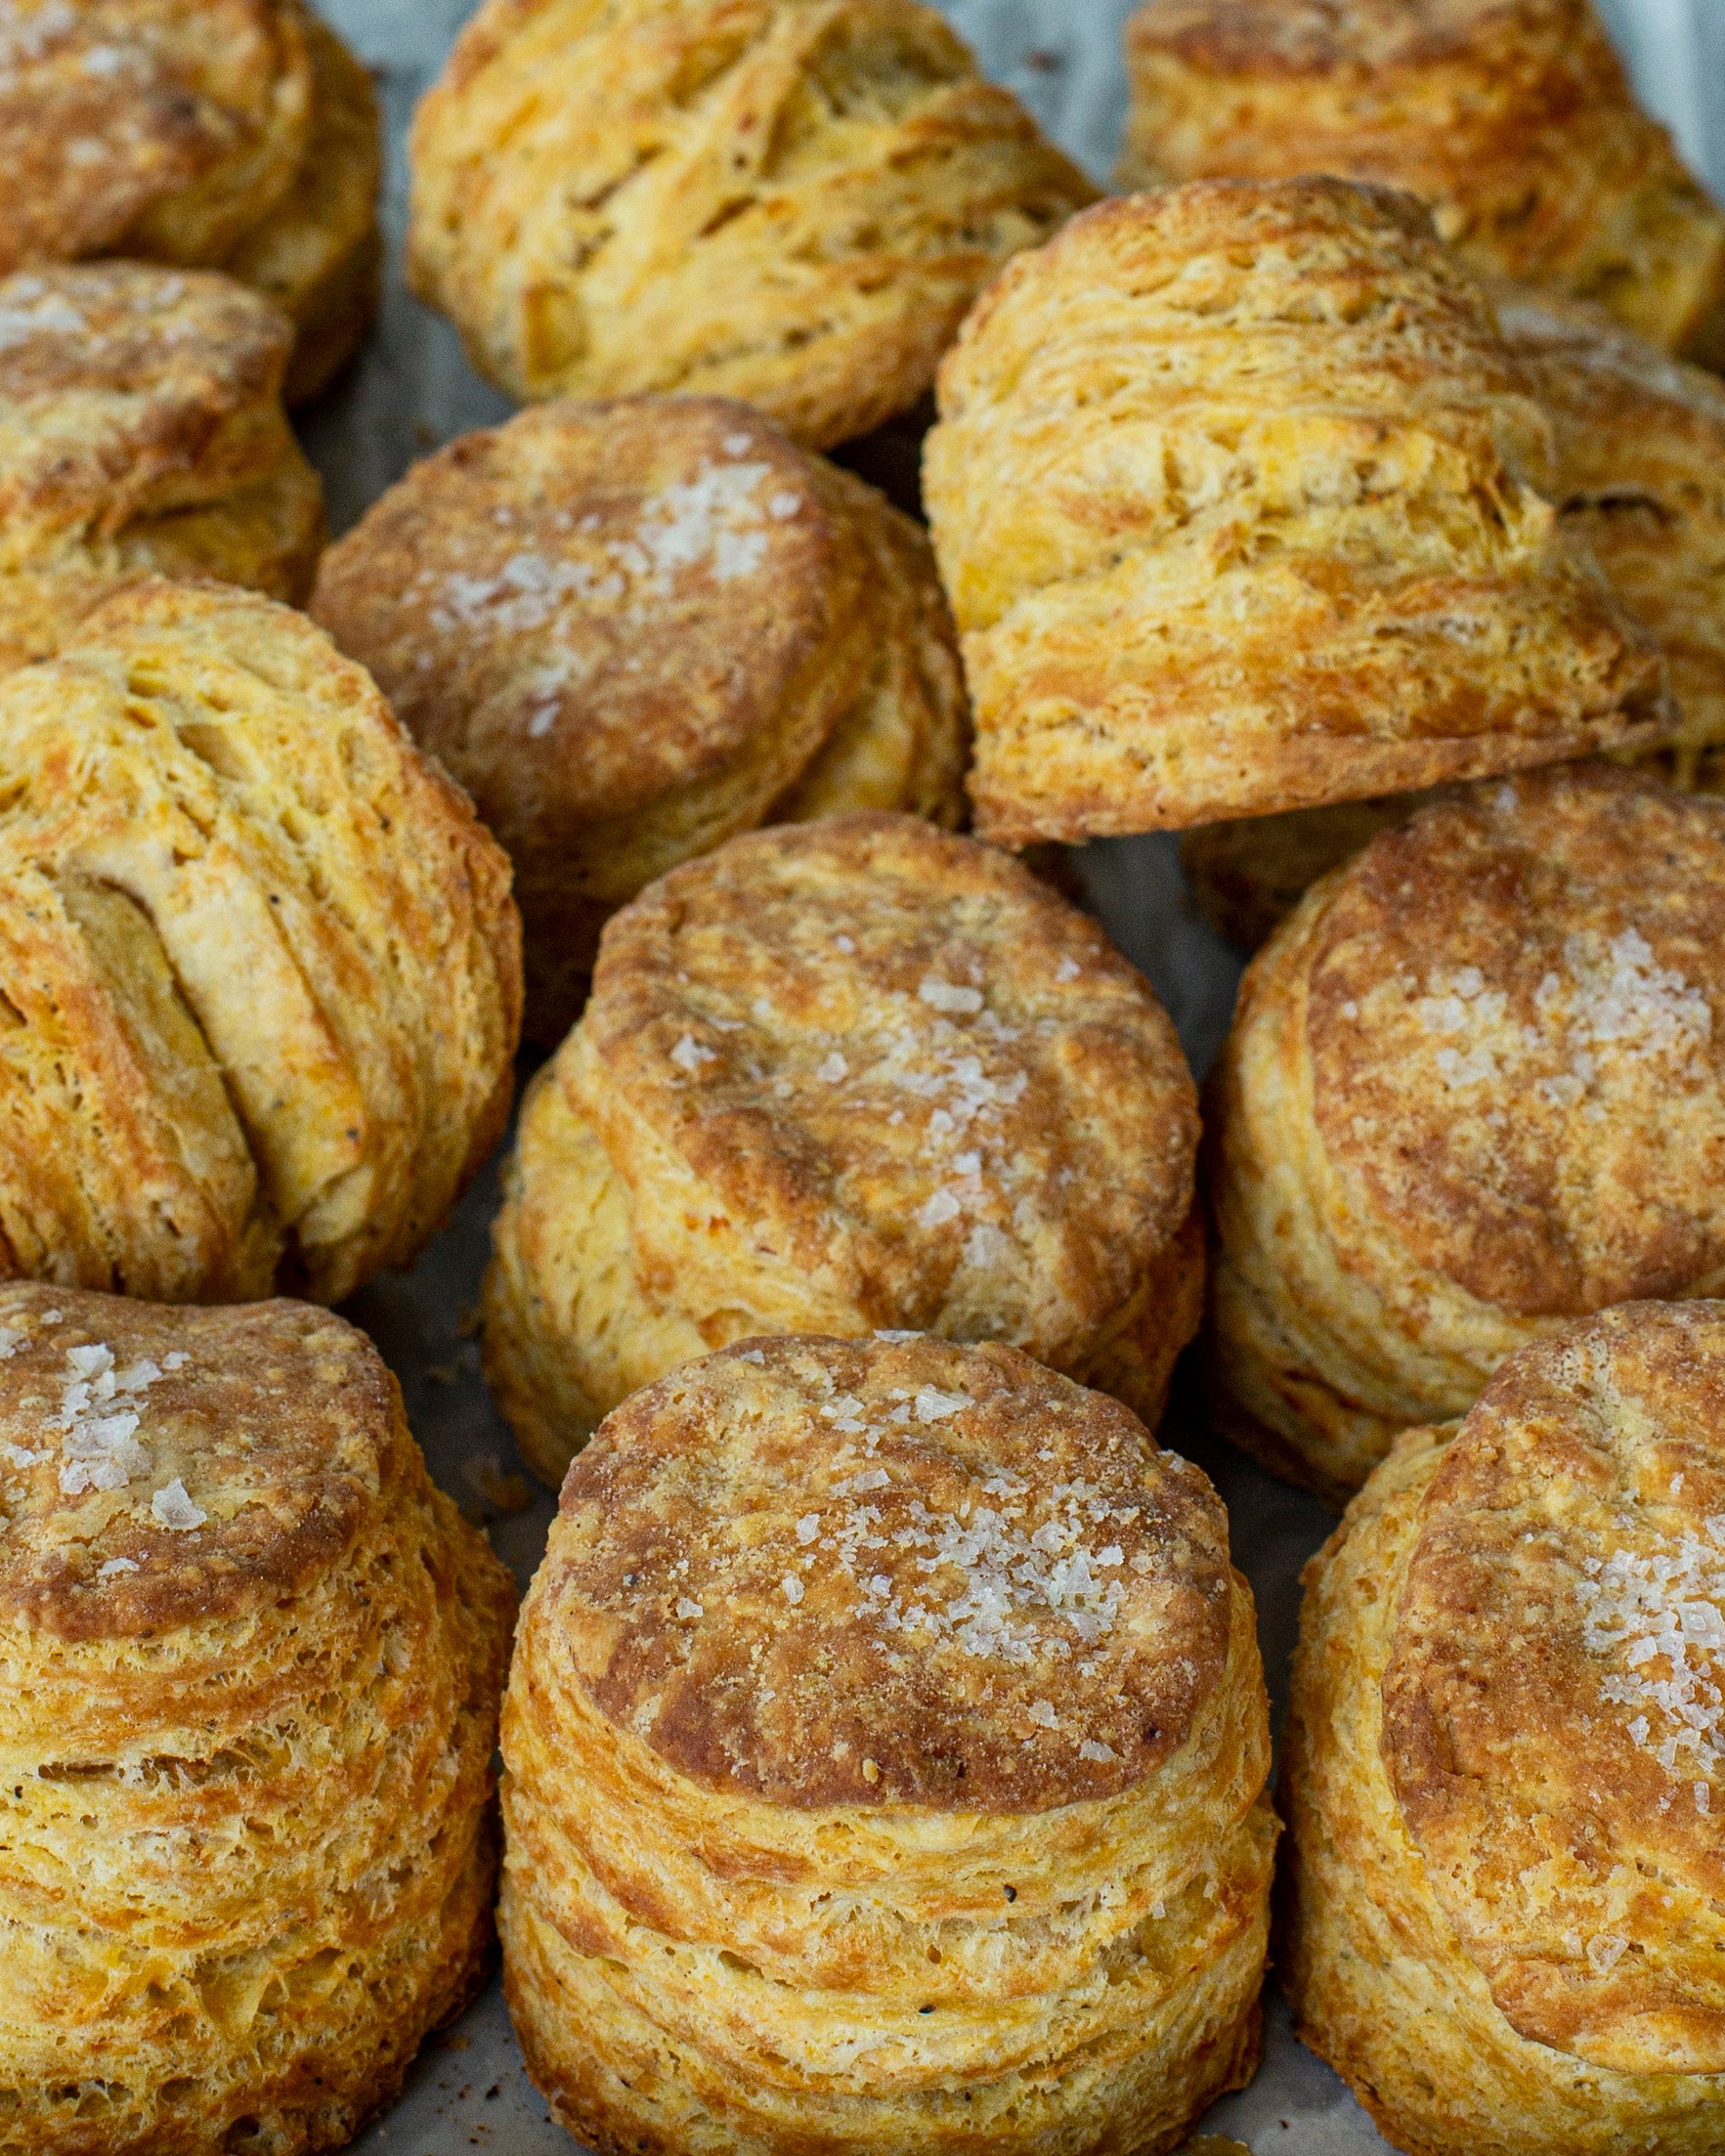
(241, 135)
(142, 433)
(246, 1853)
(729, 1926)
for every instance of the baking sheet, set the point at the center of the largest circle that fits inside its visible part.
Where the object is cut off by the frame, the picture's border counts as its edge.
(410, 391)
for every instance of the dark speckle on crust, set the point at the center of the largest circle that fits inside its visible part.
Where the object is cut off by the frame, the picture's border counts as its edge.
(890, 1571)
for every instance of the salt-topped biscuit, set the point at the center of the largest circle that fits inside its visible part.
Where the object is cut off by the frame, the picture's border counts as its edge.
(252, 1668)
(632, 629)
(840, 1075)
(259, 964)
(1640, 447)
(1475, 1090)
(1243, 505)
(141, 432)
(1514, 120)
(790, 201)
(1505, 1760)
(229, 134)
(884, 1759)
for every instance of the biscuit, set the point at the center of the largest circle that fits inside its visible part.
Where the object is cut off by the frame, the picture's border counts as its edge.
(633, 630)
(1236, 495)
(837, 1076)
(1640, 450)
(253, 1663)
(259, 969)
(788, 201)
(1513, 119)
(1475, 1090)
(1502, 1764)
(318, 254)
(141, 432)
(233, 134)
(884, 1754)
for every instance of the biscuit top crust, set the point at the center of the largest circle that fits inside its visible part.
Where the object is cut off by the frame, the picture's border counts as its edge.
(922, 1081)
(126, 388)
(110, 108)
(596, 602)
(164, 1467)
(1515, 1020)
(1554, 1703)
(1322, 38)
(890, 1571)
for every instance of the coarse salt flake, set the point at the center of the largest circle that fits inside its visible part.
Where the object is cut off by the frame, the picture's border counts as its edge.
(947, 996)
(172, 1508)
(934, 1405)
(689, 1055)
(1101, 1755)
(791, 1588)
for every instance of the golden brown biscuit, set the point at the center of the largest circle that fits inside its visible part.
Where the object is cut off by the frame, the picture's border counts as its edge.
(1235, 492)
(1640, 479)
(141, 432)
(1475, 1090)
(790, 201)
(1503, 1760)
(318, 254)
(841, 1075)
(633, 630)
(259, 971)
(885, 1755)
(1513, 119)
(233, 134)
(253, 1663)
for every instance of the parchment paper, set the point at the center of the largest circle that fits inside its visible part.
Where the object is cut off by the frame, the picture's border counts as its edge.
(410, 391)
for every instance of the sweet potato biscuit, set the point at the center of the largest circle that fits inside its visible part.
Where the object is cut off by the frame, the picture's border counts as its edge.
(319, 253)
(834, 1076)
(252, 1668)
(1235, 492)
(790, 201)
(1640, 479)
(885, 1761)
(1503, 1760)
(1475, 1090)
(233, 134)
(141, 432)
(632, 629)
(1513, 119)
(259, 965)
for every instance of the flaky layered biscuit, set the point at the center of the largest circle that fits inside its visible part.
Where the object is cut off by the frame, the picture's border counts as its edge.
(233, 134)
(790, 201)
(836, 1076)
(141, 432)
(1236, 495)
(1513, 119)
(252, 1662)
(1502, 1761)
(259, 963)
(884, 1756)
(319, 253)
(633, 630)
(1475, 1090)
(1641, 480)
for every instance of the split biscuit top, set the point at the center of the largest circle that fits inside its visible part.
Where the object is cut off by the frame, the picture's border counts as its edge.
(790, 201)
(260, 965)
(838, 1075)
(632, 629)
(1640, 479)
(1475, 1088)
(253, 1664)
(142, 430)
(1239, 498)
(1513, 119)
(965, 1584)
(233, 134)
(1505, 1755)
